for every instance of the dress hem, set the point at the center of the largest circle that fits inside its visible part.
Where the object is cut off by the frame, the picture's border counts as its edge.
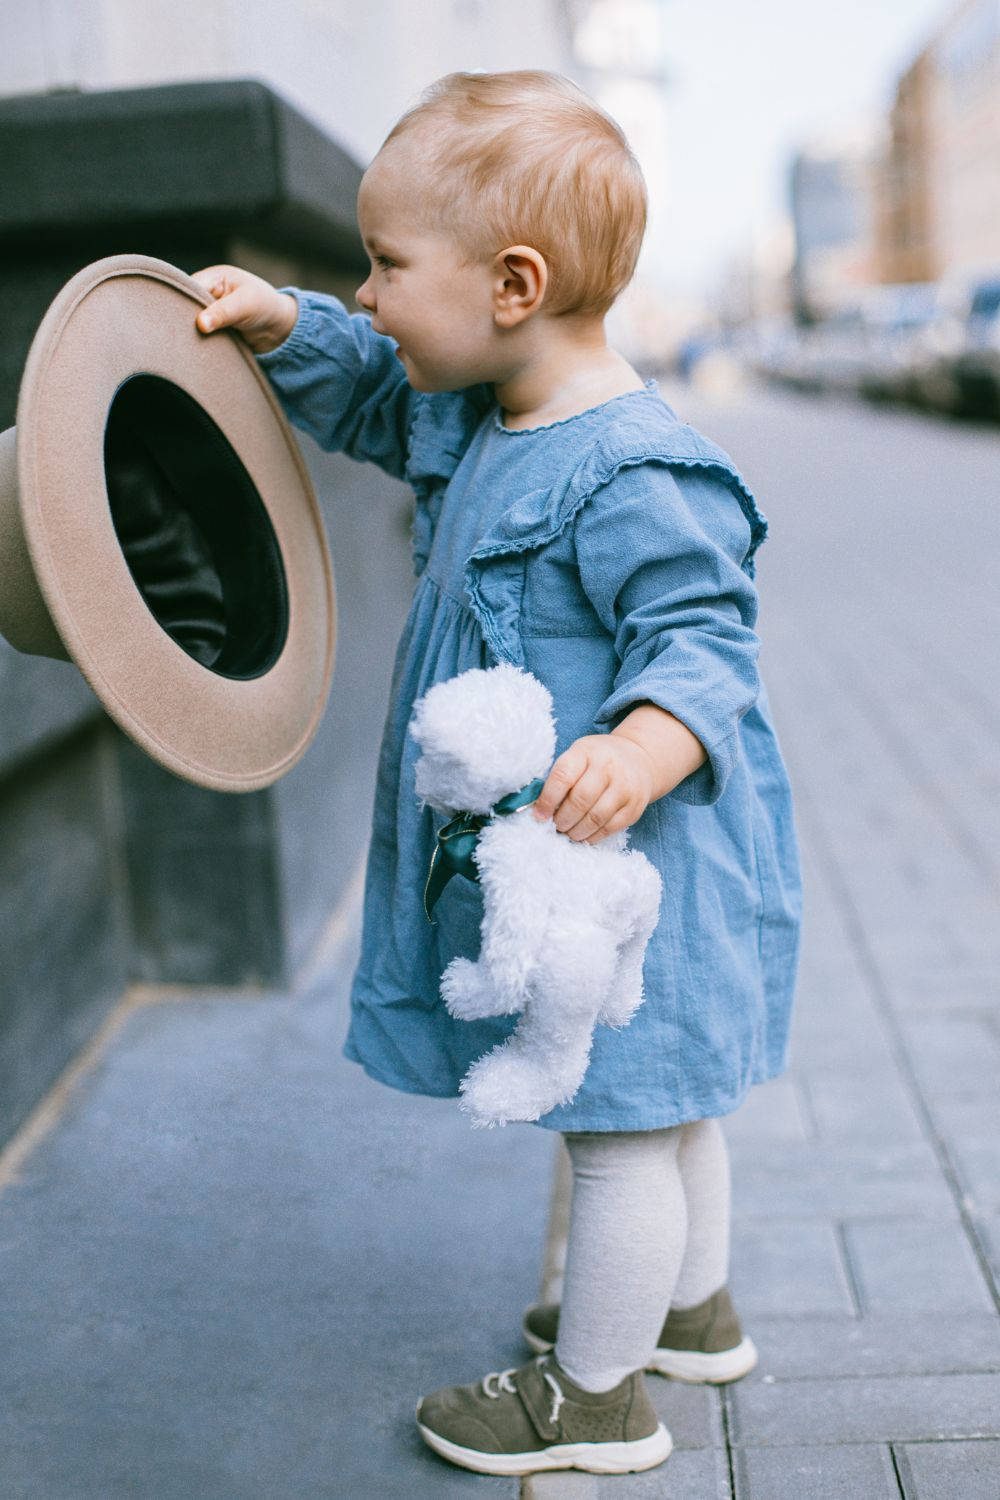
(693, 1110)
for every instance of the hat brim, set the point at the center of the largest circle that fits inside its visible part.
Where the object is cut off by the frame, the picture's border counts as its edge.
(121, 317)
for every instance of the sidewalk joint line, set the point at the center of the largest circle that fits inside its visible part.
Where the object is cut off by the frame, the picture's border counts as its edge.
(807, 1377)
(850, 1273)
(724, 1400)
(898, 1461)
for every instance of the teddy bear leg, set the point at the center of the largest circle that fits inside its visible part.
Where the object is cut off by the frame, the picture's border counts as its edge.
(467, 992)
(543, 1062)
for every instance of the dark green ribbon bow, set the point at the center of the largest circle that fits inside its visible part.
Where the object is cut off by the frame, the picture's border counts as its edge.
(458, 838)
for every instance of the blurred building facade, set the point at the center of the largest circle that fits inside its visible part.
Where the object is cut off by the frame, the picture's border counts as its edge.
(964, 139)
(833, 185)
(905, 230)
(922, 201)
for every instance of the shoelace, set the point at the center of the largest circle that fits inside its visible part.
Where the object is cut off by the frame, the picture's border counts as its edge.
(504, 1383)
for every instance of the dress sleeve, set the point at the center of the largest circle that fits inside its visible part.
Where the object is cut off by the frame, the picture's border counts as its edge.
(342, 383)
(660, 550)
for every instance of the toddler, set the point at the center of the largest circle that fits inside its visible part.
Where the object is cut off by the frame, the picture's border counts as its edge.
(566, 521)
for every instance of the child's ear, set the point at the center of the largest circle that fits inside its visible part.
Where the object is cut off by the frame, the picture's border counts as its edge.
(521, 278)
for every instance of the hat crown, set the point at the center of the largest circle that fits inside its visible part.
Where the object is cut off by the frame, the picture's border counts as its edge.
(193, 529)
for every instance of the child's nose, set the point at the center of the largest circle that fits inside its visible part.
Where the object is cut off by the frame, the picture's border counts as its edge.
(363, 296)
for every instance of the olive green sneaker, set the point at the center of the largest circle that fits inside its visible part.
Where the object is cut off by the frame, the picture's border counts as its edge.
(703, 1344)
(529, 1420)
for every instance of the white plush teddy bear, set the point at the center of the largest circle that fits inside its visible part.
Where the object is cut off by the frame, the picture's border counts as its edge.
(565, 923)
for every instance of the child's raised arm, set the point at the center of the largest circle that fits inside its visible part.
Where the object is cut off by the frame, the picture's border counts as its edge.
(336, 379)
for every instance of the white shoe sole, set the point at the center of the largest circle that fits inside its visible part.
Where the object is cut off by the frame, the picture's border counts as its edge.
(685, 1364)
(705, 1369)
(592, 1458)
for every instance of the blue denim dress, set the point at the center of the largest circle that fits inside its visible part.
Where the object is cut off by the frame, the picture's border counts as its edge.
(611, 554)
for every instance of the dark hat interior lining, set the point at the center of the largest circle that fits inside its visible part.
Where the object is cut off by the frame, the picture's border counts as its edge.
(193, 529)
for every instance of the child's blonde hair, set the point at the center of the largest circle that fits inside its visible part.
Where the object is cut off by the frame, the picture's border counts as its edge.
(528, 158)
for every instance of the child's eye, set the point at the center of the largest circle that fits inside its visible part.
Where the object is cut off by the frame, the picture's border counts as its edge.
(384, 262)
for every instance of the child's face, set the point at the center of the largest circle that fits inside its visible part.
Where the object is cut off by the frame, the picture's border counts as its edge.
(419, 292)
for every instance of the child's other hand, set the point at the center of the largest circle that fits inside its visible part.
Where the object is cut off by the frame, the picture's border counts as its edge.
(248, 304)
(600, 785)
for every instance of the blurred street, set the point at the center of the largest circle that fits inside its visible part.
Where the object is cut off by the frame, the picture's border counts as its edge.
(230, 1263)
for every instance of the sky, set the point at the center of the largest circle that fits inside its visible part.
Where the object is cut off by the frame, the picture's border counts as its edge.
(748, 81)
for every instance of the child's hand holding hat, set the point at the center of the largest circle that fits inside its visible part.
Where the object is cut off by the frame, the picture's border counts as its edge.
(248, 304)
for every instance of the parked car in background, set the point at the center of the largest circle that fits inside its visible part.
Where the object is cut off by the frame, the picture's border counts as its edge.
(898, 318)
(977, 363)
(933, 344)
(814, 356)
(930, 377)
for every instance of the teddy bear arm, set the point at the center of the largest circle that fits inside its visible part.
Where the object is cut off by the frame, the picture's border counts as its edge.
(468, 993)
(625, 993)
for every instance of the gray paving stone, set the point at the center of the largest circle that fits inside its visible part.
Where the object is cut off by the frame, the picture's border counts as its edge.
(771, 1112)
(954, 1058)
(916, 1264)
(692, 1414)
(830, 966)
(950, 1471)
(974, 977)
(989, 1228)
(978, 1165)
(829, 1040)
(968, 1119)
(942, 995)
(842, 1180)
(861, 1104)
(900, 1344)
(687, 1475)
(830, 973)
(788, 1266)
(841, 1473)
(831, 1029)
(684, 1476)
(567, 1485)
(906, 1408)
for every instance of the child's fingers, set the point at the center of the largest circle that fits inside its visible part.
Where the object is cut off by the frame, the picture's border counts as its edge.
(570, 765)
(232, 309)
(577, 815)
(578, 786)
(216, 280)
(602, 819)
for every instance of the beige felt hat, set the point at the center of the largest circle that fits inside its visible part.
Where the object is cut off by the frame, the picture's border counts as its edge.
(158, 528)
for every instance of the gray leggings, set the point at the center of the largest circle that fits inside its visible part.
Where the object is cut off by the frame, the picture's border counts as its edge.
(649, 1230)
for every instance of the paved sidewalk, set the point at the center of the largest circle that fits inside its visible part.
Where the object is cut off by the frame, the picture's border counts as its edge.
(867, 1181)
(233, 1263)
(229, 1263)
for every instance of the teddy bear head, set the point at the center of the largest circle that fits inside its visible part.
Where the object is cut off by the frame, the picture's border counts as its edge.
(482, 734)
